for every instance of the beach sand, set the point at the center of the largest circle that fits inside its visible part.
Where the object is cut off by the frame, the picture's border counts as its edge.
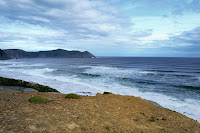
(100, 113)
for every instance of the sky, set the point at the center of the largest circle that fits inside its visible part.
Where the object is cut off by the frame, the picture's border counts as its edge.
(150, 28)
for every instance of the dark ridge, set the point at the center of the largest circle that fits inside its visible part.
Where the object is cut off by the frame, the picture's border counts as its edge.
(21, 83)
(58, 53)
(3, 55)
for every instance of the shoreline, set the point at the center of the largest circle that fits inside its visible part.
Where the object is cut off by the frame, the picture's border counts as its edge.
(35, 85)
(17, 88)
(29, 88)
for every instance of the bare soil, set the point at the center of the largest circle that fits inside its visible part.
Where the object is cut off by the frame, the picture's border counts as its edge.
(90, 114)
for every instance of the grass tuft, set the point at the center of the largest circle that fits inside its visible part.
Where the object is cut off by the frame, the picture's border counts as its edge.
(152, 119)
(72, 96)
(142, 113)
(39, 99)
(135, 119)
(83, 129)
(8, 100)
(107, 93)
(107, 127)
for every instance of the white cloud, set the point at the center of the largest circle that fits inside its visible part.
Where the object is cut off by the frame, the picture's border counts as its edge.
(35, 18)
(89, 25)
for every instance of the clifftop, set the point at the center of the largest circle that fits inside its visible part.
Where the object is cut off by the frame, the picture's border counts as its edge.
(100, 113)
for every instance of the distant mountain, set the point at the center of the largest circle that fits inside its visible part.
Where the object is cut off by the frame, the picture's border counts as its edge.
(3, 55)
(58, 53)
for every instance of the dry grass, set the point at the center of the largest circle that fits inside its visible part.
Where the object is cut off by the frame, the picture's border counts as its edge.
(101, 113)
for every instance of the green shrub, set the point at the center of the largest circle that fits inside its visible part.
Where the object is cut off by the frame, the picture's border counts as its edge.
(142, 113)
(72, 96)
(107, 127)
(39, 99)
(164, 119)
(152, 119)
(21, 83)
(107, 93)
(22, 91)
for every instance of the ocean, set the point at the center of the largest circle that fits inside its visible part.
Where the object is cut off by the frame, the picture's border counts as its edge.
(174, 83)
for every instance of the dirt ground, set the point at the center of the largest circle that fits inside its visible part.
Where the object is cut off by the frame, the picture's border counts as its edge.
(90, 114)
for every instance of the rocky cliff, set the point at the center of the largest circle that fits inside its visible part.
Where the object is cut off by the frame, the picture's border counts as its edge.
(3, 55)
(58, 53)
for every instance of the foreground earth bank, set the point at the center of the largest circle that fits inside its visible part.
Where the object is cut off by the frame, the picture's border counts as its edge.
(100, 113)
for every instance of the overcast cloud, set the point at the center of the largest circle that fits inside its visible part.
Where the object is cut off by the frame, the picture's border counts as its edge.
(105, 28)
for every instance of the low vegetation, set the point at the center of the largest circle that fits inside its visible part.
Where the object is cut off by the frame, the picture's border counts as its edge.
(152, 119)
(107, 93)
(72, 96)
(39, 99)
(21, 83)
(142, 113)
(135, 119)
(107, 127)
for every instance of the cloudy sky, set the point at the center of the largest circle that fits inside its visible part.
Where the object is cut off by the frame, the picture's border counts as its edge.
(103, 27)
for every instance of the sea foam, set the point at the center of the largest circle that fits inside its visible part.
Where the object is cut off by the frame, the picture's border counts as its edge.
(75, 83)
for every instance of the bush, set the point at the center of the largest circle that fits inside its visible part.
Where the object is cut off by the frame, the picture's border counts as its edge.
(39, 99)
(107, 93)
(152, 119)
(72, 96)
(21, 83)
(107, 127)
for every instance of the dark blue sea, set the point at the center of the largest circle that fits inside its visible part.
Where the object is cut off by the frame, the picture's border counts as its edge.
(173, 83)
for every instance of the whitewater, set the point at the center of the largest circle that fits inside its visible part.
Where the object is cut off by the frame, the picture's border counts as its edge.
(174, 83)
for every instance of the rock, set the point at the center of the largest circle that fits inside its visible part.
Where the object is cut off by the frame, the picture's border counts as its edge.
(72, 125)
(32, 127)
(98, 94)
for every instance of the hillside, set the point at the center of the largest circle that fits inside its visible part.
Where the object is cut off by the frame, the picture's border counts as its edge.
(3, 55)
(58, 53)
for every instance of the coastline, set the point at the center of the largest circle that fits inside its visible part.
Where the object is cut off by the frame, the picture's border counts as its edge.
(100, 113)
(28, 88)
(17, 88)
